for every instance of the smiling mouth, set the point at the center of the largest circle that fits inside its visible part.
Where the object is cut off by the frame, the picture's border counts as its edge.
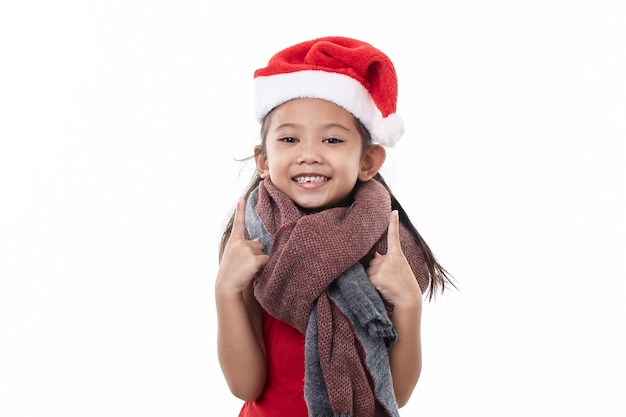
(317, 178)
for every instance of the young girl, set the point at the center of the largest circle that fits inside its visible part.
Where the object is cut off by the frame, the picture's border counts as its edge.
(321, 276)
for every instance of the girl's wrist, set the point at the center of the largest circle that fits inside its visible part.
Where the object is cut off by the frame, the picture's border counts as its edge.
(410, 302)
(226, 289)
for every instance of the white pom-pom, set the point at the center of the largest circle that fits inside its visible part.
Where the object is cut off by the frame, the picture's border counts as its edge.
(388, 131)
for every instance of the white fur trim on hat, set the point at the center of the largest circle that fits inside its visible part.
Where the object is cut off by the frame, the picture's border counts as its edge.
(343, 90)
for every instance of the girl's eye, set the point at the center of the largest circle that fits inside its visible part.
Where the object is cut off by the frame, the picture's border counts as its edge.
(332, 140)
(288, 139)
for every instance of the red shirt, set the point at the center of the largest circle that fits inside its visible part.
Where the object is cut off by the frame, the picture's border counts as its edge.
(283, 395)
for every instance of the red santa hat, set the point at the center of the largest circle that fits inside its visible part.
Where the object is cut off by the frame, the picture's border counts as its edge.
(347, 72)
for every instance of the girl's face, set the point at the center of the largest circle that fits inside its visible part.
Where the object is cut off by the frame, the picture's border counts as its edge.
(314, 153)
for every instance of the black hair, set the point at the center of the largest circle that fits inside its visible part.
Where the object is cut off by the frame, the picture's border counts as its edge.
(440, 279)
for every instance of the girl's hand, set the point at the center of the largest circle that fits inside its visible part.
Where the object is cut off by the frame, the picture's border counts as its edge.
(391, 274)
(242, 258)
(393, 278)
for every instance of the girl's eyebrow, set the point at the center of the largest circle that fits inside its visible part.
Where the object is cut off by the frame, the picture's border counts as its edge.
(339, 125)
(286, 125)
(326, 126)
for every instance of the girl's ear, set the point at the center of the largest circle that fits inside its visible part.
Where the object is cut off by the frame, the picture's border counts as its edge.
(371, 162)
(262, 166)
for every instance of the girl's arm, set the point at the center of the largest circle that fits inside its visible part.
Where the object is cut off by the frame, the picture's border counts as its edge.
(240, 345)
(392, 276)
(405, 356)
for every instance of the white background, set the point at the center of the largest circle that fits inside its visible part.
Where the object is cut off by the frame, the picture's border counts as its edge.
(119, 125)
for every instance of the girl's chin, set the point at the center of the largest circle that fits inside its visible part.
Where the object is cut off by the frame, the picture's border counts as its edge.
(312, 207)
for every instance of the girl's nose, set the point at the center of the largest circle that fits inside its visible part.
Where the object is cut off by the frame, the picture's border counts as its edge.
(309, 154)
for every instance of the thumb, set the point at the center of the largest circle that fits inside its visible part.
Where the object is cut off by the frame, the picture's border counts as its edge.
(393, 233)
(239, 221)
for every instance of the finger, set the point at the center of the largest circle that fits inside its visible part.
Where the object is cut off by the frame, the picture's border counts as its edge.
(393, 234)
(239, 222)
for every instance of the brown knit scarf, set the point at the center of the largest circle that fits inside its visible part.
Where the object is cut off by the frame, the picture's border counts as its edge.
(308, 252)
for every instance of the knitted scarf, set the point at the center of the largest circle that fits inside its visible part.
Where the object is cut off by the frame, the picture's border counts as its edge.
(315, 281)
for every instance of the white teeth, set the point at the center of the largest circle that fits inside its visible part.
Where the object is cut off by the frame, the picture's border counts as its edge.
(311, 179)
